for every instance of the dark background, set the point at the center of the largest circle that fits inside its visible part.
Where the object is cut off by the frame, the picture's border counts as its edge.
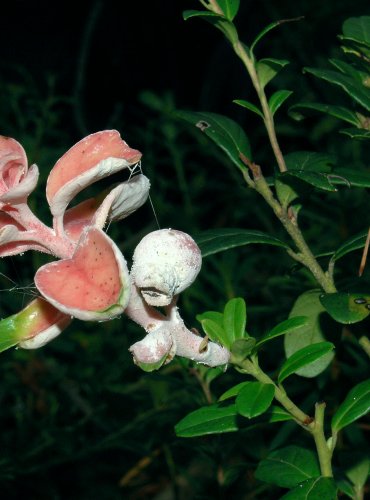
(104, 53)
(77, 416)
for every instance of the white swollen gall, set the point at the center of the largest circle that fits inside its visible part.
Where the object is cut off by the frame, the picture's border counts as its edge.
(165, 262)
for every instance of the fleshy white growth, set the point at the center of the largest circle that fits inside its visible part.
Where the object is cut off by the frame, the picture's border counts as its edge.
(165, 263)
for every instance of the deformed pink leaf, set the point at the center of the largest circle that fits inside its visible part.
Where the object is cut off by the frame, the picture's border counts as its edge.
(16, 181)
(92, 285)
(14, 239)
(94, 157)
(78, 217)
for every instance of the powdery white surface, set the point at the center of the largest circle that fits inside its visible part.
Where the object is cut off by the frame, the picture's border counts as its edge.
(167, 261)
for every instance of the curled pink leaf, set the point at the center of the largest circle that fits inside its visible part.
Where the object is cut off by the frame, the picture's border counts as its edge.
(16, 181)
(96, 156)
(93, 285)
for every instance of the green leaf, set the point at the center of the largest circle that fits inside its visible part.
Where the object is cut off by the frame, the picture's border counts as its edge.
(351, 177)
(359, 468)
(288, 467)
(310, 167)
(304, 357)
(277, 99)
(288, 326)
(340, 112)
(278, 414)
(352, 87)
(356, 404)
(208, 420)
(229, 8)
(233, 391)
(285, 191)
(357, 28)
(217, 20)
(240, 349)
(323, 488)
(215, 316)
(249, 105)
(354, 243)
(254, 399)
(270, 27)
(308, 304)
(355, 133)
(267, 69)
(346, 308)
(215, 332)
(218, 240)
(235, 319)
(226, 133)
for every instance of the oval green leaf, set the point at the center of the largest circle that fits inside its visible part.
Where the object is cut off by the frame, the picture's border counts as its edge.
(254, 399)
(235, 319)
(248, 105)
(288, 467)
(288, 326)
(308, 304)
(356, 404)
(215, 332)
(354, 243)
(208, 420)
(233, 391)
(346, 308)
(339, 112)
(268, 68)
(219, 240)
(323, 488)
(304, 357)
(226, 133)
(229, 8)
(277, 99)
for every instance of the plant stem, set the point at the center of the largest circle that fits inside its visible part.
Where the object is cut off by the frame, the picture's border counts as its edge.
(267, 115)
(314, 426)
(323, 451)
(305, 255)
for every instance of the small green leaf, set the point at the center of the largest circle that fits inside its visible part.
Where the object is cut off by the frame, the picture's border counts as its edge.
(308, 304)
(357, 28)
(323, 488)
(346, 308)
(254, 399)
(217, 20)
(277, 99)
(267, 69)
(288, 326)
(270, 27)
(249, 105)
(278, 414)
(356, 133)
(208, 420)
(233, 391)
(288, 467)
(359, 468)
(285, 191)
(352, 87)
(340, 112)
(214, 331)
(226, 133)
(218, 240)
(354, 243)
(235, 319)
(304, 357)
(215, 316)
(240, 349)
(356, 404)
(229, 8)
